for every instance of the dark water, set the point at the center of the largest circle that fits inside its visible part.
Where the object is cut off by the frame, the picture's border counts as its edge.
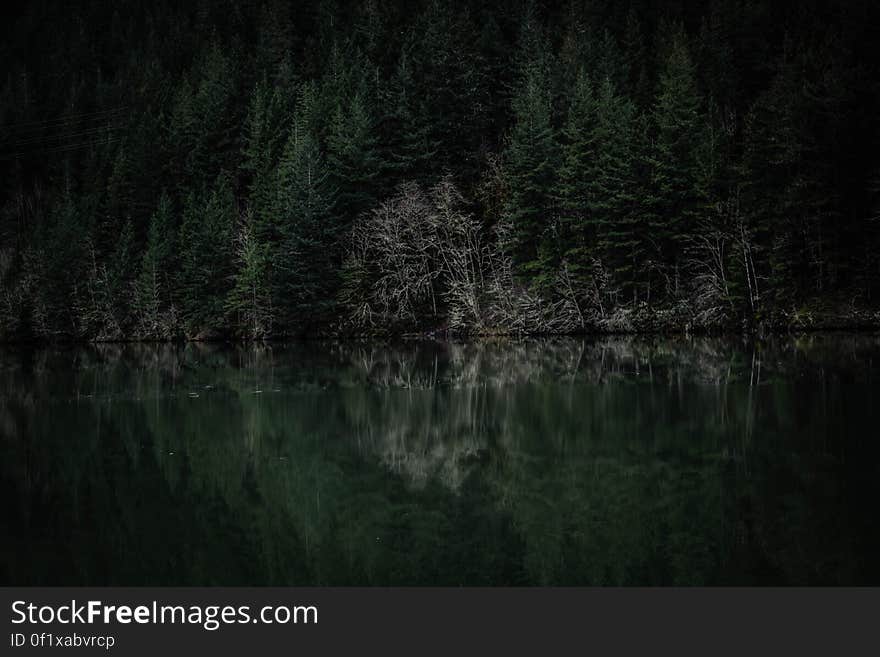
(611, 461)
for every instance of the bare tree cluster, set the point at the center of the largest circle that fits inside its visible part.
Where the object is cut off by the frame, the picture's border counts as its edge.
(420, 255)
(390, 270)
(723, 240)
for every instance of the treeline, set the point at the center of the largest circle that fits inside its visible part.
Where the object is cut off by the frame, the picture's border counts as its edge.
(253, 169)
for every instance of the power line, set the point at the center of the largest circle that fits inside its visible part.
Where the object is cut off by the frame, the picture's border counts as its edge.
(61, 149)
(70, 118)
(96, 130)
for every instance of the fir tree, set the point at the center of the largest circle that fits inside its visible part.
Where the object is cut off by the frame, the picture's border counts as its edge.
(264, 134)
(249, 301)
(530, 161)
(152, 285)
(674, 201)
(353, 158)
(306, 262)
(63, 266)
(408, 140)
(207, 263)
(615, 186)
(204, 121)
(578, 229)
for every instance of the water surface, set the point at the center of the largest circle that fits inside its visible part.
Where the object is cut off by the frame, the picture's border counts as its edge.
(612, 461)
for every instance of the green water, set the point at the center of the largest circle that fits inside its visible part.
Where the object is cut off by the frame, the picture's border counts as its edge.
(600, 461)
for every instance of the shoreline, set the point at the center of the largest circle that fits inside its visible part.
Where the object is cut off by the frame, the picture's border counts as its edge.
(855, 324)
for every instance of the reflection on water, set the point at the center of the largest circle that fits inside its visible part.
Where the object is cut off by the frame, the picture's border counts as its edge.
(609, 461)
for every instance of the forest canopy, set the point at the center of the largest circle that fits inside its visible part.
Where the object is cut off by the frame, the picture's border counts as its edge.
(267, 168)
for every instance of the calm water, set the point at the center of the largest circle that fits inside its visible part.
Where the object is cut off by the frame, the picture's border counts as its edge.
(610, 461)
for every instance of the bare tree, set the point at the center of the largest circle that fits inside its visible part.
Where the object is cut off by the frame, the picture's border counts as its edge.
(392, 262)
(419, 255)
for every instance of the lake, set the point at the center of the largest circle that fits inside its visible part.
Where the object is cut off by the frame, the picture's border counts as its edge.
(598, 461)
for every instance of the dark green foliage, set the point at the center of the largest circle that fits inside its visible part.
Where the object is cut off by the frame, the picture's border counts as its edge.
(409, 143)
(531, 161)
(575, 175)
(62, 265)
(206, 255)
(615, 184)
(598, 187)
(265, 132)
(205, 121)
(305, 261)
(718, 157)
(675, 203)
(151, 287)
(250, 300)
(353, 158)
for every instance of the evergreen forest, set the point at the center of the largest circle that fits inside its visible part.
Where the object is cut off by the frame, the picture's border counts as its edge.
(249, 169)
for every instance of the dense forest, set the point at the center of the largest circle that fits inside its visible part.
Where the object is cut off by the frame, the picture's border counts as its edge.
(255, 168)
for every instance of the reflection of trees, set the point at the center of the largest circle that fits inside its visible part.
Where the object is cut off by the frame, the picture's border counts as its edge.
(559, 461)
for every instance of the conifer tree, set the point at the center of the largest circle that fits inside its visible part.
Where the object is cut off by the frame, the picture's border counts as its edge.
(207, 262)
(305, 264)
(353, 158)
(449, 68)
(152, 285)
(63, 259)
(104, 305)
(249, 301)
(204, 122)
(578, 165)
(408, 140)
(615, 186)
(264, 134)
(530, 161)
(745, 140)
(674, 201)
(116, 204)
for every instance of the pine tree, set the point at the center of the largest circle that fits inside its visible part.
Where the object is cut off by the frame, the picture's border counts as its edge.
(611, 64)
(353, 158)
(207, 264)
(755, 130)
(116, 204)
(530, 161)
(62, 266)
(152, 285)
(614, 187)
(305, 264)
(122, 271)
(675, 202)
(104, 305)
(264, 133)
(204, 122)
(577, 225)
(408, 141)
(449, 68)
(598, 188)
(249, 301)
